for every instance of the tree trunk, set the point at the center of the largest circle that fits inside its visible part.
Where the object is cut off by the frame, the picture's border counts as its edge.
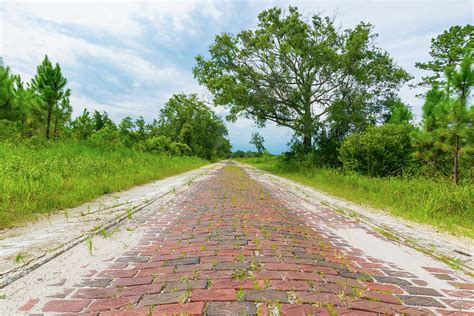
(307, 141)
(48, 123)
(307, 129)
(456, 161)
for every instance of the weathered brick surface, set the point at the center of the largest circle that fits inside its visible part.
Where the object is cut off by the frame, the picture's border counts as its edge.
(238, 248)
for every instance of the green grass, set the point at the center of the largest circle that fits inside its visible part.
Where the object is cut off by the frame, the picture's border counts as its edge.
(60, 175)
(439, 203)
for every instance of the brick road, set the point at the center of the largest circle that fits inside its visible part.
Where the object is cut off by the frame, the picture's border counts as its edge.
(232, 246)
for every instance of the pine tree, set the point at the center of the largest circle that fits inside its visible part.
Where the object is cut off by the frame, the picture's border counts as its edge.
(448, 120)
(50, 85)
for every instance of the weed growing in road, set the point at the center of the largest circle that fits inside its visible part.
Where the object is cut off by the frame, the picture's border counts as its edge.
(19, 258)
(239, 274)
(129, 213)
(240, 258)
(150, 310)
(89, 244)
(240, 296)
(386, 233)
(185, 296)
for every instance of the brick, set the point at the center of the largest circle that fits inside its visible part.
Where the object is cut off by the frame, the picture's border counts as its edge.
(231, 308)
(303, 310)
(463, 286)
(391, 280)
(142, 289)
(132, 259)
(183, 261)
(266, 296)
(95, 293)
(109, 304)
(319, 298)
(97, 282)
(384, 287)
(232, 265)
(65, 306)
(29, 305)
(415, 290)
(188, 285)
(189, 309)
(155, 271)
(382, 297)
(235, 284)
(134, 281)
(213, 295)
(294, 275)
(290, 285)
(420, 301)
(163, 298)
(281, 267)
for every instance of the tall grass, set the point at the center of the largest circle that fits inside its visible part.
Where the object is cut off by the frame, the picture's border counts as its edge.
(65, 174)
(438, 203)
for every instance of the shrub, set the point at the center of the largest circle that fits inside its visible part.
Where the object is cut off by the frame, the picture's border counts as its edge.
(379, 151)
(107, 138)
(164, 144)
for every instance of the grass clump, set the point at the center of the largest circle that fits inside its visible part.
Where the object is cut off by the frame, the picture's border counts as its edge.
(39, 180)
(441, 204)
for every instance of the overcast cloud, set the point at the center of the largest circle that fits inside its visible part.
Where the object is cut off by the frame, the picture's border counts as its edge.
(129, 57)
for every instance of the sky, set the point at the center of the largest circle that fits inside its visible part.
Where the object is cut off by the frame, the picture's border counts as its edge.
(129, 57)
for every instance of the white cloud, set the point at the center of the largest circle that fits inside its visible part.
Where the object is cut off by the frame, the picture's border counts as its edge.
(84, 35)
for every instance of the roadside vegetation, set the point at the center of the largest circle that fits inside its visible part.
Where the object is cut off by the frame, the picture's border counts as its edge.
(440, 203)
(50, 160)
(353, 136)
(38, 180)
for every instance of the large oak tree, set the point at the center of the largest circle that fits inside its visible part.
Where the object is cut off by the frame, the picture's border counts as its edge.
(292, 70)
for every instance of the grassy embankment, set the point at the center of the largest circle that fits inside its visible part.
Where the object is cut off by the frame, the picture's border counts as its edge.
(438, 203)
(36, 181)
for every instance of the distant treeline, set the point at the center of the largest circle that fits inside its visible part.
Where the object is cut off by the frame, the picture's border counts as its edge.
(40, 110)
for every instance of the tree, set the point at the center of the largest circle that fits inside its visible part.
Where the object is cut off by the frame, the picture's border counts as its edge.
(456, 115)
(398, 112)
(50, 85)
(186, 119)
(447, 50)
(83, 125)
(292, 71)
(258, 141)
(6, 90)
(448, 120)
(102, 120)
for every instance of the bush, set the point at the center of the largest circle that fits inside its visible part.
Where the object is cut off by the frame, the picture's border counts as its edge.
(164, 144)
(379, 151)
(107, 138)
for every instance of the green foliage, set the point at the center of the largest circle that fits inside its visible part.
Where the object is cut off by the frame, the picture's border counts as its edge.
(55, 175)
(447, 134)
(187, 120)
(379, 151)
(244, 154)
(439, 203)
(258, 141)
(50, 85)
(164, 144)
(292, 70)
(447, 50)
(107, 138)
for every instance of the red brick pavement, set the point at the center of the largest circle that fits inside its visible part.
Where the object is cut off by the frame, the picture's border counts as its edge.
(234, 249)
